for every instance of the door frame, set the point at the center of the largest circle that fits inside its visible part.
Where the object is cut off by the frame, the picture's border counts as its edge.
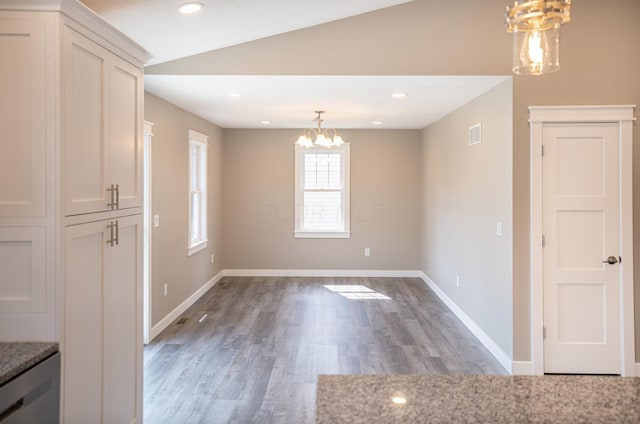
(147, 229)
(623, 115)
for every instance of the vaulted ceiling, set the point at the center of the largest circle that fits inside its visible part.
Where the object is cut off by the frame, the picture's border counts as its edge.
(284, 101)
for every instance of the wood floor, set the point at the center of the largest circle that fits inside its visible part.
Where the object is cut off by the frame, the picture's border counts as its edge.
(256, 357)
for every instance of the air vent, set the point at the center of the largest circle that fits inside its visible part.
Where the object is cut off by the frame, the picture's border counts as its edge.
(475, 134)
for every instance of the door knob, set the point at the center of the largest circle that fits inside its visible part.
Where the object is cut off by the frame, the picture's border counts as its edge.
(611, 260)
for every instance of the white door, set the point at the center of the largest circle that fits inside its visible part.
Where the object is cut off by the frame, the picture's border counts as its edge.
(86, 149)
(102, 348)
(125, 131)
(82, 349)
(581, 231)
(122, 323)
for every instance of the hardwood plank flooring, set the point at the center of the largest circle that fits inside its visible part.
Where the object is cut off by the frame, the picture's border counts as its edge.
(257, 355)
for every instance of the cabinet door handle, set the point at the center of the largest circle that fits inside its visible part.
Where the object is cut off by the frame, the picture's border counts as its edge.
(110, 227)
(117, 234)
(111, 191)
(117, 197)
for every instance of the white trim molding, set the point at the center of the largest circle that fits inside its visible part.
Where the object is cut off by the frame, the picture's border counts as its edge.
(173, 315)
(492, 347)
(320, 273)
(522, 368)
(623, 115)
(343, 229)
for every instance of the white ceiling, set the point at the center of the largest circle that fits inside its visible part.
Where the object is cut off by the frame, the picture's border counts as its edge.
(349, 101)
(168, 35)
(285, 101)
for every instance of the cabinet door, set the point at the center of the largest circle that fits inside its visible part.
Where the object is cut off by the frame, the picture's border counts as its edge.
(84, 134)
(102, 347)
(82, 347)
(23, 118)
(123, 324)
(125, 131)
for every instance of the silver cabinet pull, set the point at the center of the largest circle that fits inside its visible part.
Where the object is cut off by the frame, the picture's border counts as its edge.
(114, 233)
(114, 196)
(111, 189)
(110, 227)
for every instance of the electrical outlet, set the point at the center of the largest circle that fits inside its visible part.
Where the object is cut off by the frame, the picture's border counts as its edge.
(166, 288)
(212, 258)
(367, 251)
(457, 281)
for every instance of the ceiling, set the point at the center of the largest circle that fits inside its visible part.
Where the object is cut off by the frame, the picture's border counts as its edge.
(168, 35)
(349, 101)
(284, 101)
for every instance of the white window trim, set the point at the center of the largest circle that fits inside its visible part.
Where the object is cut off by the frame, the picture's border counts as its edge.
(201, 141)
(299, 231)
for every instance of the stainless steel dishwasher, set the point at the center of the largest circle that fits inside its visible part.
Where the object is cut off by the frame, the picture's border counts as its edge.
(33, 397)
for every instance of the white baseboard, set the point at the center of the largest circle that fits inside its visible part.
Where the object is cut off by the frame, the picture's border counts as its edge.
(320, 273)
(491, 346)
(522, 368)
(173, 315)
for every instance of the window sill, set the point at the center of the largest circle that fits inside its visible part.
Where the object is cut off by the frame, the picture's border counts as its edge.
(195, 248)
(327, 234)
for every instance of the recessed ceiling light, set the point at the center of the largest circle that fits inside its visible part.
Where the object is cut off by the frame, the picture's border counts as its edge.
(190, 8)
(234, 94)
(376, 122)
(265, 122)
(399, 95)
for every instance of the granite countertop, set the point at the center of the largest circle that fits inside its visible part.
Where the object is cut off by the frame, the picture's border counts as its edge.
(477, 399)
(16, 357)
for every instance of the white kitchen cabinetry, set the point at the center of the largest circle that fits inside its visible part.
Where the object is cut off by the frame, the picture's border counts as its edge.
(102, 331)
(103, 131)
(71, 121)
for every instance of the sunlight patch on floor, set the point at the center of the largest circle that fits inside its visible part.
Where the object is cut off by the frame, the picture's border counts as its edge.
(356, 292)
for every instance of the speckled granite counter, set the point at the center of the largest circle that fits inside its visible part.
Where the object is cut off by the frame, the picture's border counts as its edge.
(18, 357)
(477, 399)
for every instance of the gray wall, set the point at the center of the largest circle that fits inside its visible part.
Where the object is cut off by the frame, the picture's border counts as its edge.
(259, 203)
(170, 168)
(599, 59)
(466, 190)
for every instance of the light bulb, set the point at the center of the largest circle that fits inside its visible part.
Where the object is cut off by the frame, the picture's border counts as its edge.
(337, 140)
(321, 140)
(536, 51)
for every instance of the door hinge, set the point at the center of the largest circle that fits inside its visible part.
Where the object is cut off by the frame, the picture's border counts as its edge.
(542, 148)
(543, 241)
(544, 333)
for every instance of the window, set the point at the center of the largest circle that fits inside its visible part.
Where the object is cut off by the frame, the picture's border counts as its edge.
(322, 192)
(197, 192)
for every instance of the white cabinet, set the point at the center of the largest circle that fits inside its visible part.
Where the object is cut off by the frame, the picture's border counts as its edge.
(23, 119)
(27, 182)
(103, 321)
(71, 123)
(103, 131)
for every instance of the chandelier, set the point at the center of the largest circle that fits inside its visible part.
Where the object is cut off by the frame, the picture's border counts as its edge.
(535, 25)
(319, 136)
